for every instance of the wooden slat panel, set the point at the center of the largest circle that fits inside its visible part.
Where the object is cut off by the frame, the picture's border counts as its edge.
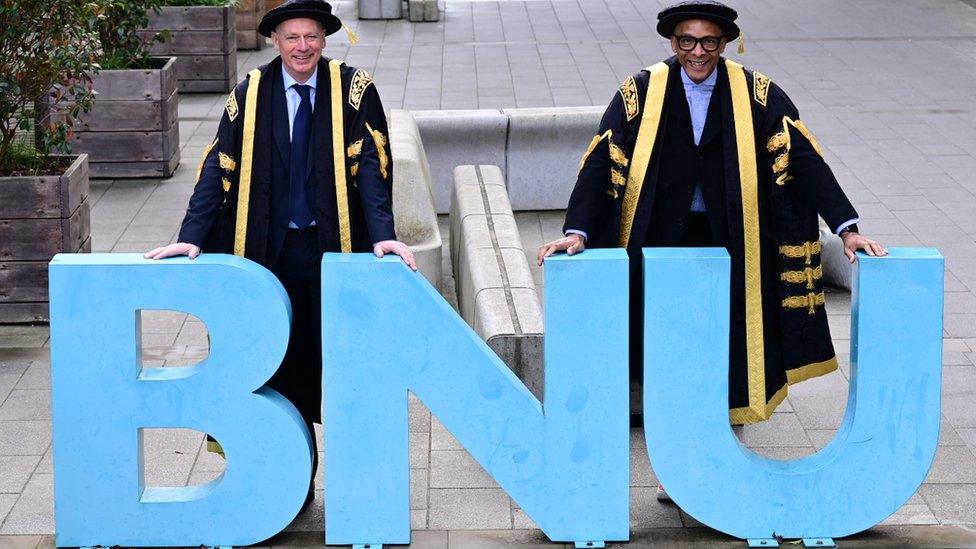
(118, 170)
(136, 84)
(189, 18)
(194, 42)
(23, 281)
(76, 229)
(206, 67)
(30, 239)
(112, 115)
(249, 40)
(75, 191)
(44, 197)
(128, 146)
(11, 313)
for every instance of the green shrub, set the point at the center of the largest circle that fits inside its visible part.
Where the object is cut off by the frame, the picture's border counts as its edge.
(123, 45)
(48, 56)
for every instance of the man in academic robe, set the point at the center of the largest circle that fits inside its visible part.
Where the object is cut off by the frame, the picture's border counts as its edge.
(699, 151)
(301, 165)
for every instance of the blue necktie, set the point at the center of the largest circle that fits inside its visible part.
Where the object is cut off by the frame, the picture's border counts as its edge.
(298, 211)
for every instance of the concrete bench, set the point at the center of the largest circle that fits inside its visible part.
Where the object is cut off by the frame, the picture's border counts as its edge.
(413, 206)
(422, 10)
(495, 291)
(537, 150)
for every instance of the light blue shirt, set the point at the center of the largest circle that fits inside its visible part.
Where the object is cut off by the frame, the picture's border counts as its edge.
(291, 95)
(698, 96)
(293, 100)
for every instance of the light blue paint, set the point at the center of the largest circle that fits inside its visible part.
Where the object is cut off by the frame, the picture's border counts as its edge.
(888, 438)
(102, 398)
(387, 331)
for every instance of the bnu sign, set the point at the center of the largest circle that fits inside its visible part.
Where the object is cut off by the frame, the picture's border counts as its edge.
(564, 460)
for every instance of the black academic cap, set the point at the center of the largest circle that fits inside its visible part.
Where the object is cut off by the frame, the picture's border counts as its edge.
(709, 10)
(320, 10)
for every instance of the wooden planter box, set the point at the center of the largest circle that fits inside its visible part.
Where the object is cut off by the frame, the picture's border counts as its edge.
(41, 216)
(204, 39)
(272, 4)
(249, 14)
(132, 129)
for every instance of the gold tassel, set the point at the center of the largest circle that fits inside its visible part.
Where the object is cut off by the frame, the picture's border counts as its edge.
(742, 43)
(353, 38)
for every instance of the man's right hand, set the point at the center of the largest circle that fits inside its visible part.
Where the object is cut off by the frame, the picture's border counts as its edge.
(571, 244)
(180, 248)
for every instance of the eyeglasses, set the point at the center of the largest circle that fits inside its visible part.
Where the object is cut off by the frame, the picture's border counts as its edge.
(708, 43)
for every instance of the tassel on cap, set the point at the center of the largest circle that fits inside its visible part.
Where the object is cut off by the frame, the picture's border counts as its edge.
(354, 39)
(742, 43)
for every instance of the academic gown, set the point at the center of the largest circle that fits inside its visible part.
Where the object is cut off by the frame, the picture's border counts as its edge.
(240, 202)
(763, 197)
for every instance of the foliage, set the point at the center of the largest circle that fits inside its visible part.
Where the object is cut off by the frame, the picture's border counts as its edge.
(48, 56)
(119, 25)
(200, 2)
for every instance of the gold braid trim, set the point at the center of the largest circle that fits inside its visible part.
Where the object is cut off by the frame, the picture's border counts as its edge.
(745, 139)
(781, 163)
(206, 153)
(815, 369)
(810, 302)
(355, 149)
(226, 162)
(760, 87)
(799, 125)
(782, 140)
(806, 250)
(593, 145)
(247, 157)
(231, 106)
(380, 142)
(778, 141)
(360, 81)
(338, 159)
(628, 92)
(646, 136)
(617, 155)
(750, 414)
(746, 414)
(617, 178)
(808, 275)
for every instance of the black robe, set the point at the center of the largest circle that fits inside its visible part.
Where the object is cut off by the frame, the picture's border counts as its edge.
(240, 202)
(763, 198)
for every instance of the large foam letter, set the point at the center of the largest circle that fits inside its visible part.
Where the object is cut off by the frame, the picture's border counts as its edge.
(884, 447)
(103, 398)
(564, 462)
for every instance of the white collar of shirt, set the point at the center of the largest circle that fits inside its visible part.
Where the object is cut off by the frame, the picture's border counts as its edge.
(292, 98)
(706, 84)
(289, 81)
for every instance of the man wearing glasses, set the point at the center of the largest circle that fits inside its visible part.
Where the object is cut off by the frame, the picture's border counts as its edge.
(698, 151)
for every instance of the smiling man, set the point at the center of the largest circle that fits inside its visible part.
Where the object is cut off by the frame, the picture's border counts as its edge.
(301, 165)
(698, 151)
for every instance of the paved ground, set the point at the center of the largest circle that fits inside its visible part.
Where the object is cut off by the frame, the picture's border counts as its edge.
(885, 84)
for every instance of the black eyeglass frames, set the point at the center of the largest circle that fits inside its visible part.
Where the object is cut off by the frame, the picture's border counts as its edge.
(708, 43)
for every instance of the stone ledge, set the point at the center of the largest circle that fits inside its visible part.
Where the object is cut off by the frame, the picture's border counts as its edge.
(413, 205)
(495, 290)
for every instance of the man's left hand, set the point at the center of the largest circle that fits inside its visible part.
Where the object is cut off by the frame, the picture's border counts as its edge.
(397, 248)
(854, 242)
